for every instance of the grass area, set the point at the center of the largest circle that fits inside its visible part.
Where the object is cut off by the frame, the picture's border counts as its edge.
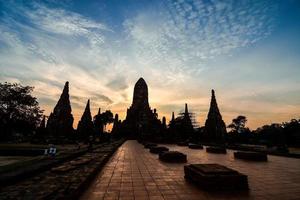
(7, 160)
(35, 146)
(21, 163)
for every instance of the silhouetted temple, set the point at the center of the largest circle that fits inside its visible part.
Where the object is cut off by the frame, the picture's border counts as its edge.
(116, 127)
(187, 124)
(60, 122)
(215, 128)
(181, 127)
(98, 124)
(85, 125)
(141, 122)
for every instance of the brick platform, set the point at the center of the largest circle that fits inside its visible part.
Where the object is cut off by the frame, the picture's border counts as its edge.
(134, 173)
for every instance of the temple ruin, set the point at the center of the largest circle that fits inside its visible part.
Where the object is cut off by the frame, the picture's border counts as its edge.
(215, 128)
(60, 121)
(141, 122)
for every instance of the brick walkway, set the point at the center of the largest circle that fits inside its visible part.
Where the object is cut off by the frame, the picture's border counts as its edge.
(134, 173)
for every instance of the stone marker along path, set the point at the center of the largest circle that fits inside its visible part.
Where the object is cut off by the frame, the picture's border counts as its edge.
(135, 173)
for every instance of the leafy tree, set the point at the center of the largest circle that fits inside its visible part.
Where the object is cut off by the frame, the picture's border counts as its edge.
(292, 132)
(238, 124)
(102, 119)
(271, 134)
(107, 118)
(19, 110)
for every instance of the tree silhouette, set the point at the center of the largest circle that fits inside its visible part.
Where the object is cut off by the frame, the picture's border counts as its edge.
(102, 119)
(291, 131)
(107, 118)
(19, 110)
(238, 124)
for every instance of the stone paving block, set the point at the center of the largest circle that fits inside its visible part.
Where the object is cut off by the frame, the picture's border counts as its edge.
(215, 177)
(254, 156)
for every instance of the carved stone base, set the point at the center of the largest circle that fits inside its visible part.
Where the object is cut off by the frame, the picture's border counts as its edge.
(216, 150)
(182, 143)
(173, 156)
(215, 177)
(158, 149)
(195, 146)
(255, 156)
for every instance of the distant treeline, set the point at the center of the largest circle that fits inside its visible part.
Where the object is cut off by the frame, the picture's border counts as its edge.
(275, 134)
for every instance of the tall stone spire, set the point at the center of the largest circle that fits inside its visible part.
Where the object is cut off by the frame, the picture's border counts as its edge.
(98, 123)
(213, 104)
(173, 117)
(87, 112)
(141, 122)
(85, 125)
(186, 125)
(116, 126)
(215, 128)
(186, 111)
(60, 122)
(140, 94)
(63, 104)
(164, 123)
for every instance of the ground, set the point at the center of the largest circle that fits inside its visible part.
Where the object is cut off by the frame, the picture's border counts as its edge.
(134, 173)
(8, 160)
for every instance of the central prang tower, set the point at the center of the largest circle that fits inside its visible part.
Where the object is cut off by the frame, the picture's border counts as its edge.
(140, 95)
(141, 122)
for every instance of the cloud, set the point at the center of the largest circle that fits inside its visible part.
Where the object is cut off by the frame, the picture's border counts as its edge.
(103, 98)
(45, 46)
(170, 43)
(182, 35)
(119, 83)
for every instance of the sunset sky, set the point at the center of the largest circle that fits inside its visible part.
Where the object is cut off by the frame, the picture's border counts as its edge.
(248, 51)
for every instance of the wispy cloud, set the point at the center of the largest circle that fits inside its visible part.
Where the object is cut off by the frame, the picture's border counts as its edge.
(171, 44)
(45, 47)
(182, 35)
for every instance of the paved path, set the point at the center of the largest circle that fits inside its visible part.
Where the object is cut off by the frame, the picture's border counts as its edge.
(134, 173)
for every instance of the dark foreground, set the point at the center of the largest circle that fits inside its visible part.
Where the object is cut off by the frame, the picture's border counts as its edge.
(64, 178)
(134, 173)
